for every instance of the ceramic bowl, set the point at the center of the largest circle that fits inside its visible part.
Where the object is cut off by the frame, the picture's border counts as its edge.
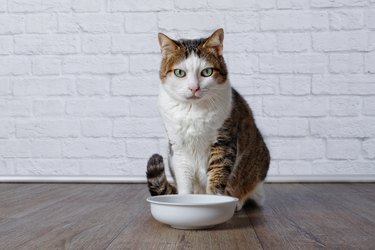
(193, 211)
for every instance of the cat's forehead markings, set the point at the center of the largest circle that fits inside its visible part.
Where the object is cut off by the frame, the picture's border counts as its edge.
(192, 62)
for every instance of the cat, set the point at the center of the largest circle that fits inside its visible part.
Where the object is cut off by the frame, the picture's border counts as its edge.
(214, 144)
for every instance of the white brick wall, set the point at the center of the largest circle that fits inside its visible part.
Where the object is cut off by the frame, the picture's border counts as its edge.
(79, 82)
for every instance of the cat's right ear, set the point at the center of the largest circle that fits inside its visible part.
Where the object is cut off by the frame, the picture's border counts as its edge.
(167, 45)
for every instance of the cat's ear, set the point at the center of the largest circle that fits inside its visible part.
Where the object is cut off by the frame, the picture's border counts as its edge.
(215, 41)
(167, 45)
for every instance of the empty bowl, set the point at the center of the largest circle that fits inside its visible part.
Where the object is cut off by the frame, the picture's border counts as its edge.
(192, 211)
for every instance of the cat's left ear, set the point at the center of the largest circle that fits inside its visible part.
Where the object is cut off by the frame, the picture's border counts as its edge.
(215, 41)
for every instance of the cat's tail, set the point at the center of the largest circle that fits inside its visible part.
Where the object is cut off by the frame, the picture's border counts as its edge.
(156, 180)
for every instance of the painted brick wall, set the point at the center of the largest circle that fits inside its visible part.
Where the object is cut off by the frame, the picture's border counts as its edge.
(79, 82)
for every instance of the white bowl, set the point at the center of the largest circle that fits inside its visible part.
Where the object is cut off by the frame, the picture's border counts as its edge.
(192, 211)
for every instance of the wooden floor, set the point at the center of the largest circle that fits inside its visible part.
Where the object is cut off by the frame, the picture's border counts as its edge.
(116, 216)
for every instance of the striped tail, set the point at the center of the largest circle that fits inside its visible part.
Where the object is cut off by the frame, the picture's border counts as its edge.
(156, 179)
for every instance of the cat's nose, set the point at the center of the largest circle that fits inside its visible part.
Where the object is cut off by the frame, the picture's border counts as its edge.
(194, 89)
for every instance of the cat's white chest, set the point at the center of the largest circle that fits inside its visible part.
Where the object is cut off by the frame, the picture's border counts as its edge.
(192, 129)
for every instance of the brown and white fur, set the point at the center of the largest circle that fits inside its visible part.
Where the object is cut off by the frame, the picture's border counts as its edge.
(215, 146)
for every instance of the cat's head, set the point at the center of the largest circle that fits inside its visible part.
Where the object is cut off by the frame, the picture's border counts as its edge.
(193, 70)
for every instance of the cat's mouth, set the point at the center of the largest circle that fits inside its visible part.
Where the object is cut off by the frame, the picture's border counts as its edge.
(193, 97)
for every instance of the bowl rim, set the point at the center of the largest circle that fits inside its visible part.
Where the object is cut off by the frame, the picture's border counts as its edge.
(153, 200)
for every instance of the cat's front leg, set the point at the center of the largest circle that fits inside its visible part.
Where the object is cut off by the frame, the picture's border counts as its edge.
(183, 174)
(221, 162)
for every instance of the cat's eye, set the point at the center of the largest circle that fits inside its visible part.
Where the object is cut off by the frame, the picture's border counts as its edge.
(179, 73)
(207, 72)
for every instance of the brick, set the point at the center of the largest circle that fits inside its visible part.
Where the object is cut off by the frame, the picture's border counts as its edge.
(41, 23)
(47, 128)
(368, 105)
(337, 3)
(293, 20)
(190, 5)
(6, 128)
(296, 149)
(293, 42)
(45, 148)
(48, 107)
(283, 127)
(295, 85)
(346, 63)
(343, 127)
(295, 168)
(11, 24)
(39, 6)
(134, 85)
(343, 168)
(368, 147)
(141, 148)
(370, 62)
(147, 5)
(46, 65)
(14, 148)
(232, 5)
(87, 148)
(343, 85)
(293, 127)
(88, 5)
(140, 43)
(288, 63)
(114, 107)
(346, 19)
(188, 21)
(340, 41)
(15, 107)
(254, 42)
(14, 65)
(370, 19)
(5, 168)
(96, 44)
(345, 106)
(255, 85)
(96, 128)
(146, 106)
(138, 127)
(45, 44)
(46, 167)
(242, 22)
(292, 4)
(148, 63)
(343, 149)
(92, 23)
(98, 64)
(6, 45)
(3, 5)
(42, 86)
(140, 22)
(242, 63)
(296, 106)
(93, 85)
(4, 86)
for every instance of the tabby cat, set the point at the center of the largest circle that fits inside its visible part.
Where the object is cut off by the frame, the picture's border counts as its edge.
(214, 144)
